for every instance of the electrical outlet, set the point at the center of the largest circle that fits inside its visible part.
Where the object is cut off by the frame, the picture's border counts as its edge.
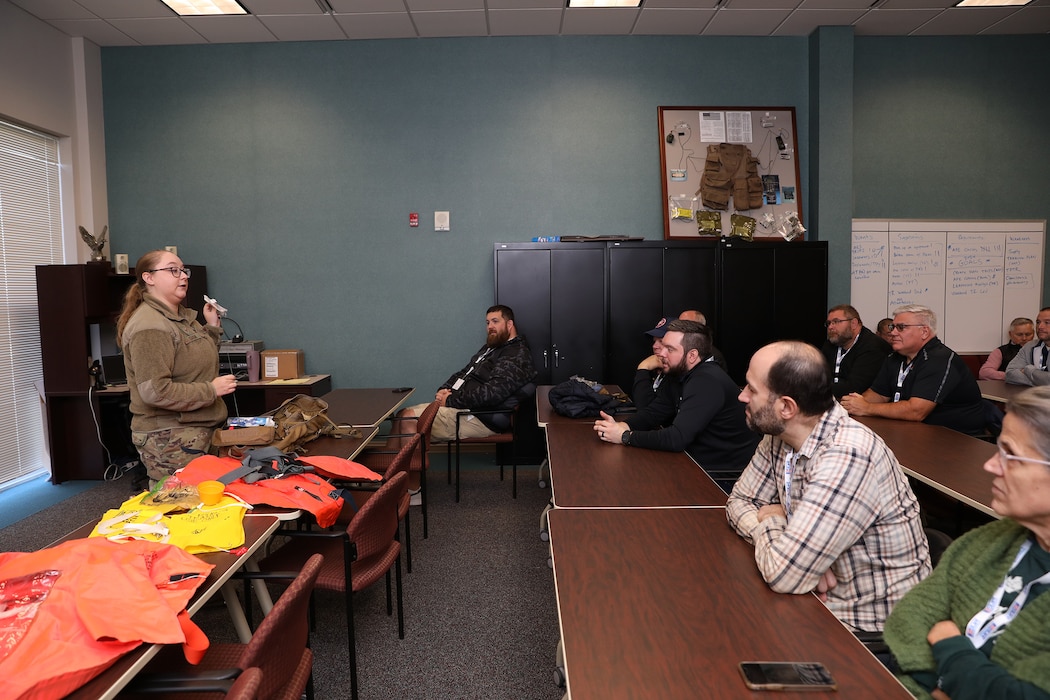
(441, 221)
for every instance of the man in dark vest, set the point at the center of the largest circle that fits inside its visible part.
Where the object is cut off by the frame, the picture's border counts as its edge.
(1021, 331)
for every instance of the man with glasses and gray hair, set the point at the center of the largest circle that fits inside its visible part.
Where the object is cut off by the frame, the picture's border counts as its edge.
(923, 380)
(853, 352)
(1031, 364)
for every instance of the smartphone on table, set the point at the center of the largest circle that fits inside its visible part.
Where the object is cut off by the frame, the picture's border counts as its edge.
(786, 675)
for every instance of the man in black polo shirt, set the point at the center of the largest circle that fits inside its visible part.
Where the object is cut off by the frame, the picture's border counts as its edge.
(923, 380)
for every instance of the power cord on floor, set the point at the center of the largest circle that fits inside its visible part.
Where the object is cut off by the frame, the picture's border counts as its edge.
(113, 471)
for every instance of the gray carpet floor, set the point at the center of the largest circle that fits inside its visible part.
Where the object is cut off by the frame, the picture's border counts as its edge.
(480, 615)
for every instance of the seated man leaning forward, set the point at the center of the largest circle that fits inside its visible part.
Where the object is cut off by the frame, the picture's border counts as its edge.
(979, 626)
(923, 380)
(700, 415)
(823, 500)
(490, 381)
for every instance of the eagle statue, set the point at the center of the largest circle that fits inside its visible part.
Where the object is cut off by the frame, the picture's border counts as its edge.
(96, 244)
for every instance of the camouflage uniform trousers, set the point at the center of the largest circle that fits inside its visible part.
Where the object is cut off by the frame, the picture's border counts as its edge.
(165, 450)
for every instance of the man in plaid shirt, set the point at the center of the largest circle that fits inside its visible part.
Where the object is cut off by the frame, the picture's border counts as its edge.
(848, 527)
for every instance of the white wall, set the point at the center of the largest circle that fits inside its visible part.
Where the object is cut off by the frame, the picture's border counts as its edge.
(53, 83)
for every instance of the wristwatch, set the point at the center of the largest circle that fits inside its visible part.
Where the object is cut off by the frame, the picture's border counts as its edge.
(625, 437)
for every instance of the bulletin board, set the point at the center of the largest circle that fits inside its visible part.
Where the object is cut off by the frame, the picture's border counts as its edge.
(772, 196)
(977, 276)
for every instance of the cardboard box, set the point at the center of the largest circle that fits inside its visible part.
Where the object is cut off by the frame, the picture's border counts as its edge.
(282, 364)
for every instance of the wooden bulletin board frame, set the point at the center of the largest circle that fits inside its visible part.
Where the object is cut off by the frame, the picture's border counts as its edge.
(683, 152)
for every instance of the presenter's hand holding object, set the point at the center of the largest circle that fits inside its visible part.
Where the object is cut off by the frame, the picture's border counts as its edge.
(221, 310)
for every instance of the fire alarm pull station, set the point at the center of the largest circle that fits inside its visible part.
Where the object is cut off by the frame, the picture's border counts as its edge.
(413, 220)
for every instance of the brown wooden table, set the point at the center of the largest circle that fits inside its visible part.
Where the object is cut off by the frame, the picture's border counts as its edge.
(345, 447)
(999, 391)
(949, 461)
(589, 473)
(364, 407)
(257, 530)
(664, 603)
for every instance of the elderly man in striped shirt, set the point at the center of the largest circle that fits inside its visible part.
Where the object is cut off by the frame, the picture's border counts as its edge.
(823, 500)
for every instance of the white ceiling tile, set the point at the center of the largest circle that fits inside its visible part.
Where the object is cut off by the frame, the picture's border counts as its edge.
(158, 31)
(835, 4)
(745, 22)
(679, 4)
(54, 9)
(601, 20)
(892, 22)
(963, 20)
(303, 27)
(443, 5)
(1024, 21)
(282, 7)
(761, 4)
(377, 25)
(97, 31)
(540, 22)
(455, 23)
(916, 4)
(231, 29)
(671, 21)
(372, 6)
(804, 22)
(525, 4)
(128, 9)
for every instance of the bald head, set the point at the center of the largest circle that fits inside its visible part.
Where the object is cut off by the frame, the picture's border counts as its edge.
(796, 369)
(693, 315)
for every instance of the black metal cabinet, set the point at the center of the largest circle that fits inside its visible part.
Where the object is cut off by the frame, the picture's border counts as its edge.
(586, 306)
(557, 292)
(647, 281)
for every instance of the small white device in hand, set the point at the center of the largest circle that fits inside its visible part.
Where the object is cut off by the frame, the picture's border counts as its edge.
(218, 307)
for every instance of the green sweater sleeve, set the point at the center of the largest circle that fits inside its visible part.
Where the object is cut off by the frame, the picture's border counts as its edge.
(967, 674)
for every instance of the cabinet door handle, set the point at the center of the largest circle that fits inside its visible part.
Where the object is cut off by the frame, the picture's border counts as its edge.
(545, 363)
(555, 356)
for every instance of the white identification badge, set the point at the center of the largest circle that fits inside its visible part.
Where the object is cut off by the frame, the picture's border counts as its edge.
(458, 384)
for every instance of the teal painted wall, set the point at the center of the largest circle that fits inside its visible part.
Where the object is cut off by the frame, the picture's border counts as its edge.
(952, 128)
(290, 171)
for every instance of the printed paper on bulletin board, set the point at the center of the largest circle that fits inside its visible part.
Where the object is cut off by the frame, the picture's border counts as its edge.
(768, 190)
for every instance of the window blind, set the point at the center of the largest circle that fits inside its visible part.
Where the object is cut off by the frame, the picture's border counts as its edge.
(30, 235)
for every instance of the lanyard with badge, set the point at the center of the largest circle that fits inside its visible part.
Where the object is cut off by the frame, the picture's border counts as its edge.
(902, 374)
(838, 361)
(789, 467)
(990, 621)
(473, 366)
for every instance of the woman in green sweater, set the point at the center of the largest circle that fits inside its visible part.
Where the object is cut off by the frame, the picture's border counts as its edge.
(979, 625)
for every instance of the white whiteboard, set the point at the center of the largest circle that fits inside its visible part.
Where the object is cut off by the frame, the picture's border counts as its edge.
(977, 276)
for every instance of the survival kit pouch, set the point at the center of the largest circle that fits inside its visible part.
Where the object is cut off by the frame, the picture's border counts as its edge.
(296, 422)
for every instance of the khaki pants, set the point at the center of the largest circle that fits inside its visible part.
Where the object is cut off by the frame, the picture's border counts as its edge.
(444, 429)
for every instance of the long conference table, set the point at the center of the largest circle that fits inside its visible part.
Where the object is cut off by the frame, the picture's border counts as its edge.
(362, 408)
(657, 595)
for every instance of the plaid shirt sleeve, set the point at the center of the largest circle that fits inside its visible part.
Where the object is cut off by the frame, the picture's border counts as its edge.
(851, 511)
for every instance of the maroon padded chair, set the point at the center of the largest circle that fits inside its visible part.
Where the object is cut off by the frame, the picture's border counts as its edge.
(379, 459)
(354, 558)
(279, 648)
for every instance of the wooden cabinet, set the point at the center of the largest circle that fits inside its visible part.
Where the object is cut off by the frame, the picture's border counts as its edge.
(71, 299)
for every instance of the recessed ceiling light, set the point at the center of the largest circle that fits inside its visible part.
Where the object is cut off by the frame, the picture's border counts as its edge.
(991, 3)
(206, 7)
(604, 3)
